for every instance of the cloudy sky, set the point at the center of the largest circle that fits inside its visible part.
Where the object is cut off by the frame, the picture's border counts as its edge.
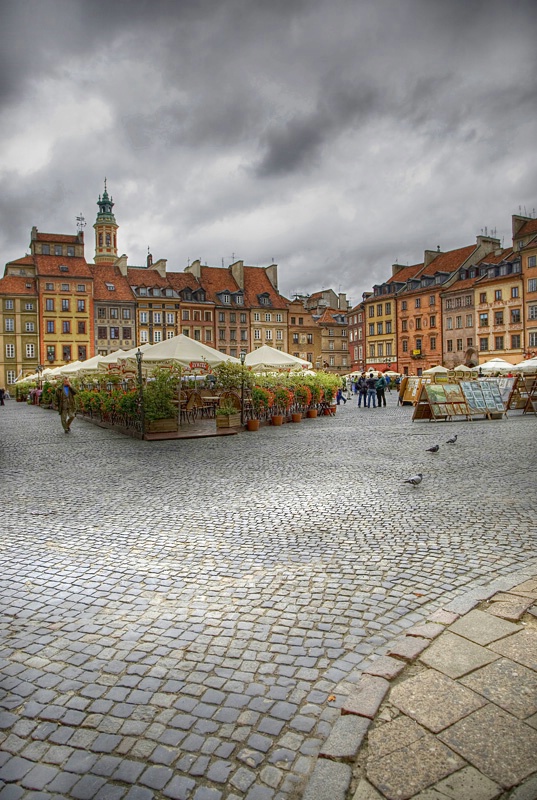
(333, 137)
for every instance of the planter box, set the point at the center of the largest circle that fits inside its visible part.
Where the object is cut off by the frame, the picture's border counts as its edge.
(161, 425)
(229, 421)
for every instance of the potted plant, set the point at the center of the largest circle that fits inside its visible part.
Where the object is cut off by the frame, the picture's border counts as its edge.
(283, 399)
(227, 415)
(160, 411)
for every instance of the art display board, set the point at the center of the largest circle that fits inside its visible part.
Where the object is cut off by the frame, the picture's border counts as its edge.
(444, 401)
(412, 388)
(522, 389)
(505, 387)
(483, 397)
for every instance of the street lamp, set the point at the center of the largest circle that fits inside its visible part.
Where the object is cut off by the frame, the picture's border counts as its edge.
(242, 357)
(139, 356)
(39, 370)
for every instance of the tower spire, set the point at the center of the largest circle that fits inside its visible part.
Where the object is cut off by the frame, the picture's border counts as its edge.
(105, 230)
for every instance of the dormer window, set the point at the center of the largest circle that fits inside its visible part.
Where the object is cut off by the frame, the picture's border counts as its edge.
(110, 287)
(70, 251)
(45, 249)
(239, 299)
(169, 292)
(156, 292)
(142, 291)
(63, 268)
(226, 298)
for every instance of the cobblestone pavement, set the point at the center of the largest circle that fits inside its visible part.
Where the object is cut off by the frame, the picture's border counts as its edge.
(185, 619)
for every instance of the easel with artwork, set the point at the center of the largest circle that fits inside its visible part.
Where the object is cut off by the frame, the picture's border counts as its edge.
(531, 389)
(441, 401)
(484, 398)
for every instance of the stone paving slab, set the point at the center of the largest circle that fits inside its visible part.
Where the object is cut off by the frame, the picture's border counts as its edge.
(497, 744)
(522, 647)
(507, 684)
(466, 784)
(434, 700)
(481, 628)
(456, 656)
(512, 610)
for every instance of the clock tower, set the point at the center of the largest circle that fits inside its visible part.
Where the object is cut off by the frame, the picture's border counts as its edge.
(105, 230)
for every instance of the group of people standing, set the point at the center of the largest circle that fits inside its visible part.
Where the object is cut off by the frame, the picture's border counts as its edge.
(371, 389)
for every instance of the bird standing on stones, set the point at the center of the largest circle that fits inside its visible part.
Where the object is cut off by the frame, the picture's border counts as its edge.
(433, 449)
(415, 480)
(452, 440)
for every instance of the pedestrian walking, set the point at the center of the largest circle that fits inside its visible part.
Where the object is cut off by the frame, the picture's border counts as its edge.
(2, 395)
(380, 387)
(361, 385)
(388, 383)
(371, 384)
(65, 399)
(340, 396)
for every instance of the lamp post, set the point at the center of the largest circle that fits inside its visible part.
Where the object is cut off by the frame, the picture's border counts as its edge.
(39, 370)
(242, 357)
(139, 356)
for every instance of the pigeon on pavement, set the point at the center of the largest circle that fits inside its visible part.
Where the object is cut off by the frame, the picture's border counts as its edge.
(415, 480)
(452, 440)
(433, 449)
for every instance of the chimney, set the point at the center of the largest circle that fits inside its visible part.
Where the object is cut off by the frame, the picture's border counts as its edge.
(430, 255)
(237, 271)
(272, 275)
(121, 264)
(195, 268)
(396, 268)
(33, 234)
(342, 303)
(159, 266)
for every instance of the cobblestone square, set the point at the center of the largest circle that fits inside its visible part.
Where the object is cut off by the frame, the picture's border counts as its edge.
(187, 618)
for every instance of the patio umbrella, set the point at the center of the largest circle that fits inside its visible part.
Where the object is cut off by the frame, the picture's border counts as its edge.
(71, 369)
(496, 365)
(268, 358)
(91, 364)
(529, 366)
(184, 351)
(110, 359)
(464, 368)
(438, 370)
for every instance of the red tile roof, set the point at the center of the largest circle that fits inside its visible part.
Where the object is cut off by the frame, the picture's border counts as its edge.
(146, 277)
(107, 273)
(329, 316)
(58, 237)
(404, 274)
(50, 266)
(528, 227)
(447, 262)
(15, 284)
(256, 282)
(217, 279)
(495, 258)
(183, 280)
(25, 261)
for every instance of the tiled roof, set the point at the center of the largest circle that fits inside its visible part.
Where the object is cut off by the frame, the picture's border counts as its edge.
(404, 274)
(495, 258)
(217, 279)
(183, 280)
(528, 227)
(25, 261)
(329, 316)
(50, 266)
(256, 282)
(137, 276)
(15, 284)
(107, 273)
(58, 237)
(447, 262)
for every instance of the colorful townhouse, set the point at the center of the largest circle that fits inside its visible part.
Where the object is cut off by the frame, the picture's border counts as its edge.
(525, 245)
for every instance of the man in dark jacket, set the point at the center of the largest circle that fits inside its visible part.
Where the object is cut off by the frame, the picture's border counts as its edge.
(362, 389)
(380, 387)
(65, 399)
(371, 383)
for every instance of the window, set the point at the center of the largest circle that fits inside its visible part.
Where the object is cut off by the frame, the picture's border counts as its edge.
(371, 351)
(330, 345)
(157, 317)
(417, 302)
(114, 313)
(309, 340)
(257, 316)
(8, 305)
(170, 318)
(82, 352)
(81, 327)
(484, 343)
(157, 336)
(483, 320)
(532, 285)
(387, 308)
(379, 328)
(268, 335)
(64, 287)
(11, 376)
(114, 333)
(144, 337)
(80, 305)
(515, 341)
(239, 299)
(483, 297)
(126, 313)
(380, 350)
(233, 334)
(532, 312)
(405, 346)
(242, 318)
(371, 311)
(49, 305)
(459, 344)
(458, 322)
(221, 334)
(142, 291)
(143, 317)
(208, 335)
(257, 334)
(432, 300)
(372, 329)
(532, 340)
(9, 324)
(403, 305)
(29, 327)
(65, 305)
(433, 343)
(50, 326)
(498, 294)
(418, 323)
(49, 287)
(515, 315)
(66, 352)
(226, 298)
(81, 287)
(432, 321)
(101, 313)
(244, 335)
(102, 332)
(51, 352)
(279, 318)
(45, 249)
(57, 249)
(449, 323)
(268, 317)
(469, 342)
(10, 351)
(469, 320)
(30, 351)
(450, 345)
(514, 291)
(388, 326)
(295, 338)
(379, 310)
(498, 342)
(498, 317)
(66, 326)
(404, 324)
